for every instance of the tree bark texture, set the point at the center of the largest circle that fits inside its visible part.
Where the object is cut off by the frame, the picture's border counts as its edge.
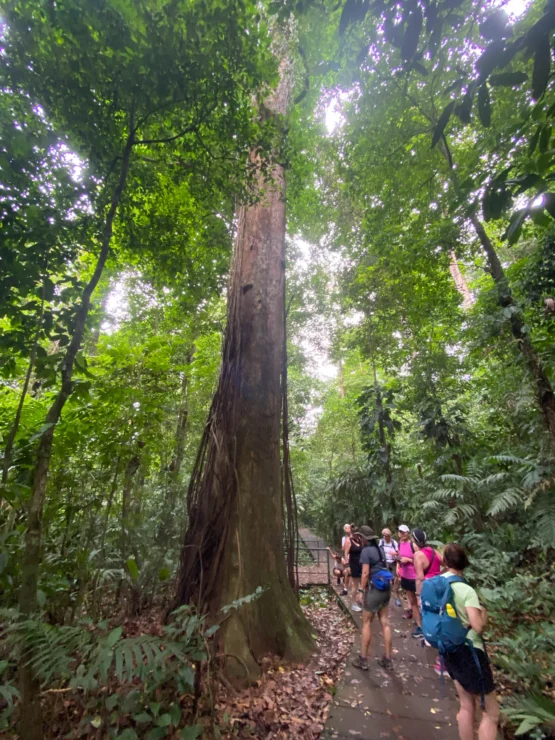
(31, 721)
(234, 543)
(544, 389)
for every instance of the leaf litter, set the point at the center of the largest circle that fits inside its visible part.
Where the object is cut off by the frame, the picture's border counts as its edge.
(293, 701)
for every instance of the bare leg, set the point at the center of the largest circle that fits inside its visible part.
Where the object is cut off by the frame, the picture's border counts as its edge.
(413, 604)
(383, 616)
(467, 713)
(366, 633)
(354, 587)
(490, 719)
(347, 581)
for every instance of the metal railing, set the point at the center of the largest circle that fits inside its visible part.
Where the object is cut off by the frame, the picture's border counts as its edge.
(313, 564)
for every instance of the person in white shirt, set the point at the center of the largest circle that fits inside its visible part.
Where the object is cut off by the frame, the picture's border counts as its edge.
(391, 550)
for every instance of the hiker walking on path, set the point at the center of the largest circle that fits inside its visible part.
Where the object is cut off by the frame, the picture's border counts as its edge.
(391, 550)
(407, 575)
(353, 549)
(459, 639)
(427, 561)
(374, 594)
(346, 573)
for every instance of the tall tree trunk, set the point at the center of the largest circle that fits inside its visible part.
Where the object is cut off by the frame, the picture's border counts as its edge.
(544, 389)
(31, 720)
(234, 543)
(15, 426)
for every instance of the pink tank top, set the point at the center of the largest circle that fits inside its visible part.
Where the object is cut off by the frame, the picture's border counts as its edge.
(434, 566)
(407, 569)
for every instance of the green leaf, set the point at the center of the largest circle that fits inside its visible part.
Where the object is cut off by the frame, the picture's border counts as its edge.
(4, 558)
(164, 720)
(484, 106)
(41, 598)
(96, 721)
(508, 79)
(542, 66)
(3, 665)
(549, 203)
(353, 11)
(515, 226)
(545, 138)
(142, 718)
(442, 123)
(412, 34)
(114, 636)
(128, 734)
(175, 713)
(133, 569)
(528, 724)
(495, 26)
(44, 428)
(191, 733)
(156, 733)
(164, 573)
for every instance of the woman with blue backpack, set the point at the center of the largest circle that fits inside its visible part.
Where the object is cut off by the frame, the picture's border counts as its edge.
(374, 594)
(453, 622)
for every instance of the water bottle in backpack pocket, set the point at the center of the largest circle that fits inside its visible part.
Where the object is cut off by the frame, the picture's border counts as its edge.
(441, 624)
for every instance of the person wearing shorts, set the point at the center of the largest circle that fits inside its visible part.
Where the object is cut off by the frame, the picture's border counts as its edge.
(374, 601)
(470, 680)
(407, 575)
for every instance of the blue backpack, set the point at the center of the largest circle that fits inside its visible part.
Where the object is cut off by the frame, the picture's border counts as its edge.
(441, 625)
(382, 579)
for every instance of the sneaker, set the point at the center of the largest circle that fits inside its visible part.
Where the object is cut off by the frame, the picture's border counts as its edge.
(344, 592)
(439, 669)
(407, 614)
(417, 632)
(386, 663)
(360, 662)
(356, 608)
(398, 602)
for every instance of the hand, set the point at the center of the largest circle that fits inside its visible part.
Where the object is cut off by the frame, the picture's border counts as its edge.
(359, 598)
(406, 560)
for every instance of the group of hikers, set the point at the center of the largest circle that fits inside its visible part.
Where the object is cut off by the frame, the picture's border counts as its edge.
(372, 569)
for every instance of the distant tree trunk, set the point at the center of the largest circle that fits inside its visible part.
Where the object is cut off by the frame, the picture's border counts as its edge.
(128, 522)
(31, 719)
(544, 389)
(460, 282)
(165, 530)
(234, 542)
(15, 426)
(341, 381)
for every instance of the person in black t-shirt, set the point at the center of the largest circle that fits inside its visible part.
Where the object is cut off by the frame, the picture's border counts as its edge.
(373, 600)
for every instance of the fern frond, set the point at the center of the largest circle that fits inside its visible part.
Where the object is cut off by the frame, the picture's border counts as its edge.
(507, 499)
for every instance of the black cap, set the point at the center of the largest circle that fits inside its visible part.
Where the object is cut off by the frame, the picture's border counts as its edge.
(420, 537)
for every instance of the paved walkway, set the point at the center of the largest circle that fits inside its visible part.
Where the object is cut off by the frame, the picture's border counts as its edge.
(408, 703)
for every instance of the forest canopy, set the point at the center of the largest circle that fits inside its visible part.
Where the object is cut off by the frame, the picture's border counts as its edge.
(313, 240)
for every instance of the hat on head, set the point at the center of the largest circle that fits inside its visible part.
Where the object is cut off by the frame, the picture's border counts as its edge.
(419, 537)
(366, 532)
(403, 528)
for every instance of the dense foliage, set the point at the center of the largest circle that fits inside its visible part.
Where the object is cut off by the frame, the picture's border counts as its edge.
(421, 272)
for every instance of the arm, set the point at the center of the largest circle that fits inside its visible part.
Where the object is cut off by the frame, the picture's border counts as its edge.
(420, 562)
(364, 577)
(478, 618)
(346, 550)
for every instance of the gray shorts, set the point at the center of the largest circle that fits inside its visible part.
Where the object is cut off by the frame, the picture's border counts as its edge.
(375, 600)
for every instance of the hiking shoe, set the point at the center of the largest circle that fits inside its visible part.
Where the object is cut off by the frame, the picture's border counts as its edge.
(356, 608)
(386, 663)
(439, 669)
(360, 662)
(344, 592)
(407, 614)
(398, 602)
(417, 632)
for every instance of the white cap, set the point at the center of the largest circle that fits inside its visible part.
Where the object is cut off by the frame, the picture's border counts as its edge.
(403, 528)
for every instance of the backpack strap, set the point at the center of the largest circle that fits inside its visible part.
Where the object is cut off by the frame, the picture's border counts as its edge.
(431, 561)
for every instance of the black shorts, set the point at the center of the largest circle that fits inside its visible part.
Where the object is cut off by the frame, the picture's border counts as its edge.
(408, 584)
(356, 570)
(462, 667)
